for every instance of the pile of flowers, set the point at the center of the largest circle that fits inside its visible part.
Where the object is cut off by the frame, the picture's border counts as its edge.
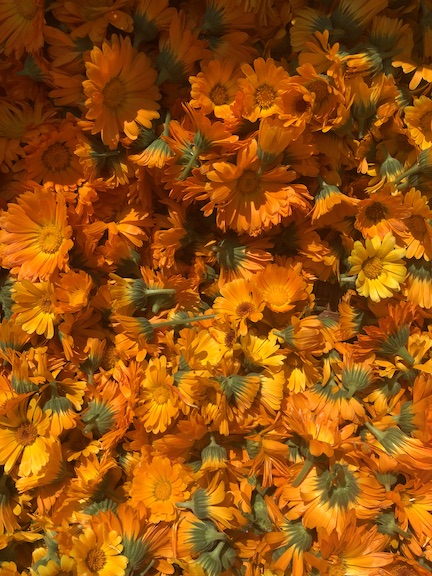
(216, 287)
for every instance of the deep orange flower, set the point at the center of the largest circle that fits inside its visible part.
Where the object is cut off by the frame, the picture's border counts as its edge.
(120, 90)
(35, 237)
(250, 199)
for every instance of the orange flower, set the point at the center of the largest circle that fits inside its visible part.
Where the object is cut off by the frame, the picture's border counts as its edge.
(240, 300)
(157, 486)
(418, 233)
(418, 118)
(281, 288)
(120, 90)
(381, 213)
(262, 88)
(51, 157)
(34, 235)
(21, 26)
(250, 199)
(214, 88)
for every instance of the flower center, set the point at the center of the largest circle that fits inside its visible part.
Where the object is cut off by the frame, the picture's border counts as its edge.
(77, 297)
(337, 569)
(110, 357)
(219, 95)
(26, 9)
(265, 96)
(45, 304)
(56, 157)
(244, 309)
(372, 267)
(319, 88)
(417, 226)
(161, 395)
(96, 559)
(50, 239)
(277, 296)
(114, 93)
(248, 182)
(376, 212)
(301, 105)
(162, 490)
(425, 122)
(401, 570)
(26, 434)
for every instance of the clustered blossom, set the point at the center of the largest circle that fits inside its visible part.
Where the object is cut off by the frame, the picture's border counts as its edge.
(215, 288)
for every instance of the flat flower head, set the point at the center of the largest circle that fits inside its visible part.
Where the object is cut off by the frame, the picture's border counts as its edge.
(120, 88)
(240, 301)
(35, 308)
(381, 213)
(24, 437)
(97, 552)
(379, 266)
(214, 89)
(262, 88)
(35, 236)
(157, 486)
(418, 118)
(282, 288)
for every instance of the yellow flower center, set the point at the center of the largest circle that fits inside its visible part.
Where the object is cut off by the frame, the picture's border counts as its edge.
(376, 212)
(50, 239)
(278, 296)
(244, 309)
(265, 96)
(161, 395)
(372, 267)
(56, 157)
(26, 8)
(425, 122)
(320, 89)
(45, 304)
(417, 225)
(114, 93)
(26, 434)
(95, 559)
(336, 569)
(248, 182)
(162, 490)
(219, 95)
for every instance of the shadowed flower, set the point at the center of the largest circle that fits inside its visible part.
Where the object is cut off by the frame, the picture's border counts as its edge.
(120, 90)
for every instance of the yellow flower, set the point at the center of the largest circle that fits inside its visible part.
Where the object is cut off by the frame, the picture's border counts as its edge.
(379, 267)
(35, 307)
(24, 435)
(98, 553)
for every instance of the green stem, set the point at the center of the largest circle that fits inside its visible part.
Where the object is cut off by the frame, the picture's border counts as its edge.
(183, 321)
(186, 170)
(157, 291)
(307, 467)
